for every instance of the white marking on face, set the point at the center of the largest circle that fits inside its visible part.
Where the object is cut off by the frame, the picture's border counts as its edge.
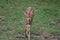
(28, 19)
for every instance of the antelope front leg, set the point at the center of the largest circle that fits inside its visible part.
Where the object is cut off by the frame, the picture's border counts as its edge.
(28, 32)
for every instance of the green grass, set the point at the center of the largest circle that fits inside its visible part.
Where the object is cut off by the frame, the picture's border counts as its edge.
(46, 16)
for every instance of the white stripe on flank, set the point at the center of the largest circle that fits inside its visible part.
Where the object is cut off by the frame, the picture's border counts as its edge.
(28, 25)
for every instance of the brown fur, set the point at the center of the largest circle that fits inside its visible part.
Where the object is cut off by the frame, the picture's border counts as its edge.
(30, 14)
(29, 18)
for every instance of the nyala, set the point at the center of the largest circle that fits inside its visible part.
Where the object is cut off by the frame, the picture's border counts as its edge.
(29, 18)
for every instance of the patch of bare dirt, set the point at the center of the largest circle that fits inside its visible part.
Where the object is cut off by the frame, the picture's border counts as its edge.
(2, 18)
(48, 36)
(2, 26)
(54, 22)
(43, 36)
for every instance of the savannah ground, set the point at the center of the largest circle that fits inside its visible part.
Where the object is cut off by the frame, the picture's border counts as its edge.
(12, 18)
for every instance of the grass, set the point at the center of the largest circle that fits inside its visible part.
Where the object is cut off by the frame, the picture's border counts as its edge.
(46, 16)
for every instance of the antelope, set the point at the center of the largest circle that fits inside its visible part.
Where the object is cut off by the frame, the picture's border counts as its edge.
(29, 18)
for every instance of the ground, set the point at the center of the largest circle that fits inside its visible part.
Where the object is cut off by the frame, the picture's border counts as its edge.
(12, 18)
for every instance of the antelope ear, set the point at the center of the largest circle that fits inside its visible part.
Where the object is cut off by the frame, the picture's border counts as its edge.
(24, 13)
